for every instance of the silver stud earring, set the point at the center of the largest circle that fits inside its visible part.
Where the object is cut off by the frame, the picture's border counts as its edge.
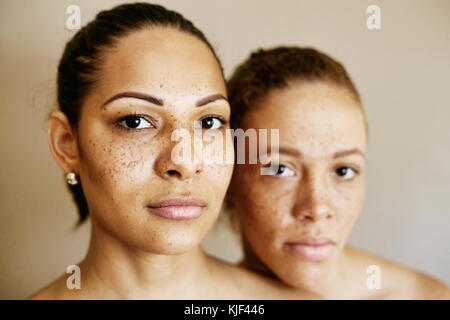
(71, 178)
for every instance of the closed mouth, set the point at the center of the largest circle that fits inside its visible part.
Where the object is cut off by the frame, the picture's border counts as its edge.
(178, 208)
(311, 248)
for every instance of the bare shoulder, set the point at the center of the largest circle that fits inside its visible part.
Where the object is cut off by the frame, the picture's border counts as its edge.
(431, 288)
(49, 292)
(56, 290)
(399, 281)
(246, 284)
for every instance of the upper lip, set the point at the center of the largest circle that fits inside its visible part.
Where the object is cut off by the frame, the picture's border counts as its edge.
(311, 241)
(178, 201)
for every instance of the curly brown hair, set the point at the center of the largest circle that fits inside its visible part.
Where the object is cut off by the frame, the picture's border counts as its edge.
(275, 68)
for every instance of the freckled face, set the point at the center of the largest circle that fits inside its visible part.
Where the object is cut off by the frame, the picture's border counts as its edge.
(125, 144)
(318, 189)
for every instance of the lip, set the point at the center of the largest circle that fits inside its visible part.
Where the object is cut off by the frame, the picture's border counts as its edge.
(311, 248)
(178, 208)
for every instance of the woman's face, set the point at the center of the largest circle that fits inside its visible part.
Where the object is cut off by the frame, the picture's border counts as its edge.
(297, 220)
(155, 81)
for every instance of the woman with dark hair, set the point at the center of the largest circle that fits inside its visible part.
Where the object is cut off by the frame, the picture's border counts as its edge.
(296, 220)
(129, 83)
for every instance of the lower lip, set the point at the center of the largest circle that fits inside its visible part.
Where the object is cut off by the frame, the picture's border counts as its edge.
(311, 252)
(178, 212)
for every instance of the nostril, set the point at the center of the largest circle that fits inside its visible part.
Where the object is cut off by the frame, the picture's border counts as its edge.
(173, 173)
(306, 217)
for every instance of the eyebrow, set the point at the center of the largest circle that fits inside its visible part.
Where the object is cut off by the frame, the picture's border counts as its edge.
(284, 150)
(158, 101)
(338, 154)
(209, 99)
(344, 153)
(290, 151)
(136, 95)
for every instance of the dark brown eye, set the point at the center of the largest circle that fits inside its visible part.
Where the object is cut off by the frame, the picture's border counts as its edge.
(134, 122)
(211, 123)
(280, 170)
(345, 172)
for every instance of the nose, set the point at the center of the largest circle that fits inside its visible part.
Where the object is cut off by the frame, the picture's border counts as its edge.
(313, 201)
(168, 168)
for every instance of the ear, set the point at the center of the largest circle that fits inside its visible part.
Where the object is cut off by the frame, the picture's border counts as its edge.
(62, 141)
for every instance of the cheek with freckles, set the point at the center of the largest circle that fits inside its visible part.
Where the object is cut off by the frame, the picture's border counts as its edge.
(114, 175)
(215, 181)
(119, 178)
(347, 203)
(264, 212)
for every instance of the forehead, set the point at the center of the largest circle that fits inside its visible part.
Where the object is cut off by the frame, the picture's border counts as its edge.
(315, 118)
(163, 61)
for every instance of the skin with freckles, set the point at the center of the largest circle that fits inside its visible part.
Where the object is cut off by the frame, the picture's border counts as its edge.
(316, 193)
(122, 170)
(153, 82)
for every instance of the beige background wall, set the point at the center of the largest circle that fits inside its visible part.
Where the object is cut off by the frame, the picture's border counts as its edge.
(402, 71)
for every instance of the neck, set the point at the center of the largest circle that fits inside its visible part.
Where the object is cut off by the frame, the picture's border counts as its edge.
(113, 269)
(340, 278)
(327, 279)
(252, 262)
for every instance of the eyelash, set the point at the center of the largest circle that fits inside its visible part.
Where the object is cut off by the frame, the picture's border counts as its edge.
(221, 119)
(356, 172)
(281, 165)
(137, 115)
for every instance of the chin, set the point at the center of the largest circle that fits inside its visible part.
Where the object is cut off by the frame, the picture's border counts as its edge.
(174, 250)
(169, 244)
(301, 276)
(156, 235)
